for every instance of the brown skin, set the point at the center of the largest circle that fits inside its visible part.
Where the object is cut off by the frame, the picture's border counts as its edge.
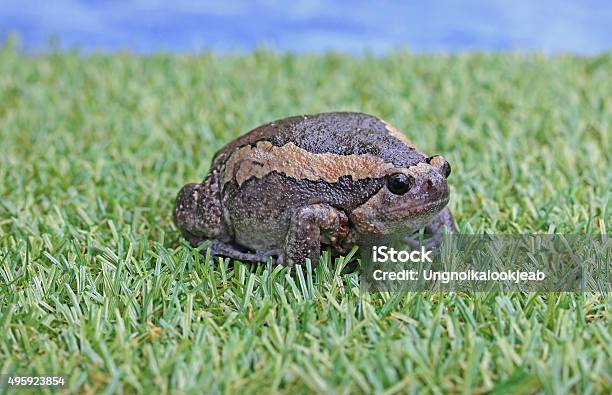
(288, 188)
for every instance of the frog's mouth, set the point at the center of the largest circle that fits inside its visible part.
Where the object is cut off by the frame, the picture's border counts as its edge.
(414, 216)
(434, 206)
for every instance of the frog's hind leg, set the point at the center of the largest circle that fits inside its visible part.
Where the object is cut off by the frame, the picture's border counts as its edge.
(433, 231)
(219, 248)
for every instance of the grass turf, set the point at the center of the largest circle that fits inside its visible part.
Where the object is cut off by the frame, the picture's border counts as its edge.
(96, 285)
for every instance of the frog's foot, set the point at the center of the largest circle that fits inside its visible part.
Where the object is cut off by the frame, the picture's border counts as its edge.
(219, 248)
(432, 237)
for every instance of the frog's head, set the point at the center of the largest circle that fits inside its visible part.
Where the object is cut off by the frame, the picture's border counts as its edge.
(409, 199)
(187, 214)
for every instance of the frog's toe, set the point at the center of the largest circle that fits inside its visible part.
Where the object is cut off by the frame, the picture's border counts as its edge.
(433, 232)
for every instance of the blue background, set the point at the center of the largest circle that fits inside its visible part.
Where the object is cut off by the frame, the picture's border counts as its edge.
(310, 25)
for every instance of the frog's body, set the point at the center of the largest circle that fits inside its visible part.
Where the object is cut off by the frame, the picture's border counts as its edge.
(333, 179)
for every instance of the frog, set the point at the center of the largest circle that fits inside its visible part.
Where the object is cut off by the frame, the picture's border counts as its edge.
(293, 187)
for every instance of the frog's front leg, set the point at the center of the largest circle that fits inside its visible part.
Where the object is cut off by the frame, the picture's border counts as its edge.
(433, 231)
(311, 225)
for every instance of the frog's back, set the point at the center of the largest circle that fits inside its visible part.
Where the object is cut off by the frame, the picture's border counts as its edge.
(342, 133)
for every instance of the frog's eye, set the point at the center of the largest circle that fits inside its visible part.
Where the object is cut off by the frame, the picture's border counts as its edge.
(441, 164)
(399, 183)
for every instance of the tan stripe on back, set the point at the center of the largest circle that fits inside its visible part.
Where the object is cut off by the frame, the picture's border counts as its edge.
(398, 135)
(298, 163)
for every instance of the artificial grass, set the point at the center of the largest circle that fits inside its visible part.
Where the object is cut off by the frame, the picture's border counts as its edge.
(96, 284)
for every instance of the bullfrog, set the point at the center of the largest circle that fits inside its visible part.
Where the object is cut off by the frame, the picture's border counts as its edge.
(292, 187)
